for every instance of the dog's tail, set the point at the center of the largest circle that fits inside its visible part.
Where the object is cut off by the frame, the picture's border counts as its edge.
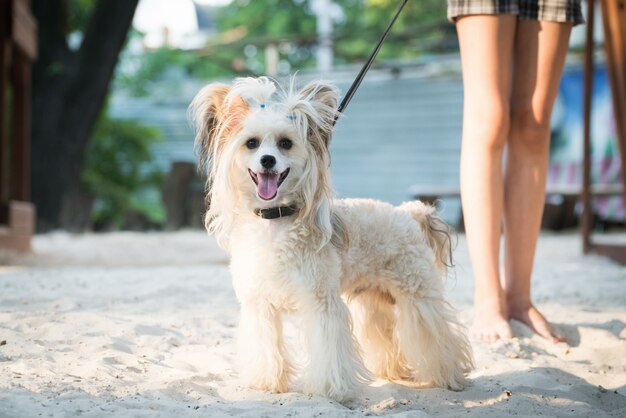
(437, 232)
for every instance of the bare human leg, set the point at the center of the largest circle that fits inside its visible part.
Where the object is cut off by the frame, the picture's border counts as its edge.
(539, 56)
(486, 44)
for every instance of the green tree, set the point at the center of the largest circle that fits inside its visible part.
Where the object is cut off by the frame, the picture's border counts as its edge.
(269, 18)
(421, 27)
(70, 83)
(150, 66)
(117, 175)
(247, 27)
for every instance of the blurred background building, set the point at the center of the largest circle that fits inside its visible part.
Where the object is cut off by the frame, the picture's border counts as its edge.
(404, 126)
(134, 165)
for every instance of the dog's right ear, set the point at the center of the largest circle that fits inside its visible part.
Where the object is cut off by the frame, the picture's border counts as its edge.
(215, 116)
(325, 98)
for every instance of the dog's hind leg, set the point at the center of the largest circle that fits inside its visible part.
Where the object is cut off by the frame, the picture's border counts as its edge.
(373, 320)
(432, 340)
(263, 360)
(335, 369)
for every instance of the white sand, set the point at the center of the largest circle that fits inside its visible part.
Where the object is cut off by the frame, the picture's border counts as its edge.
(129, 324)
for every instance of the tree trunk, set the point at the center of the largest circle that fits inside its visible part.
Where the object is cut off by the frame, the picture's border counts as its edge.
(69, 89)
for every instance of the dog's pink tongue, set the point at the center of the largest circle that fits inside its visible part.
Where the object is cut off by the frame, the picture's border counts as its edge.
(268, 185)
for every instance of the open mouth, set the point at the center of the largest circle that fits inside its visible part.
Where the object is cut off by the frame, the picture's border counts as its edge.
(268, 182)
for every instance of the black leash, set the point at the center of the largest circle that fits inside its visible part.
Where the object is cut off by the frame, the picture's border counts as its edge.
(357, 82)
(279, 212)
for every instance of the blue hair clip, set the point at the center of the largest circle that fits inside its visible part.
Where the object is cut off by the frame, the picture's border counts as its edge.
(262, 105)
(291, 117)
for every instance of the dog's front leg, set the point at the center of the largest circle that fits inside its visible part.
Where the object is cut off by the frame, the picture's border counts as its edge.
(336, 369)
(263, 362)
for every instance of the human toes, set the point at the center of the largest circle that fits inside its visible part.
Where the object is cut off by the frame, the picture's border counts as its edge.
(551, 333)
(492, 333)
(504, 330)
(539, 324)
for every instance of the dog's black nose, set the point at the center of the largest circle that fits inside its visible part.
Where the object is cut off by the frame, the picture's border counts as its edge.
(268, 161)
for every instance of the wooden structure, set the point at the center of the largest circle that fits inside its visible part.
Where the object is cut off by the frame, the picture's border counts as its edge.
(614, 24)
(555, 216)
(18, 48)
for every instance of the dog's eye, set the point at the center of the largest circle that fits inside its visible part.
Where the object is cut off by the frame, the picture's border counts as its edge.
(285, 143)
(252, 143)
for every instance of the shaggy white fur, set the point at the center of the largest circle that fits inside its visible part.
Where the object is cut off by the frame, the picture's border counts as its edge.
(262, 149)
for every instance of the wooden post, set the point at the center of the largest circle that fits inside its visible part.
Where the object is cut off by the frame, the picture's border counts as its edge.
(586, 215)
(4, 82)
(614, 25)
(18, 48)
(20, 143)
(24, 36)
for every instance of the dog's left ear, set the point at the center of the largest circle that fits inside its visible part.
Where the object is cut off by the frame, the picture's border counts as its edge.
(324, 98)
(215, 114)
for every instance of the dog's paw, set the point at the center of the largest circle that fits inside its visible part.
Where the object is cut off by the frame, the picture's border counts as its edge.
(337, 394)
(338, 386)
(270, 385)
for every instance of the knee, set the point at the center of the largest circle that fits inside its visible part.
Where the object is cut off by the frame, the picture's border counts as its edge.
(530, 129)
(487, 124)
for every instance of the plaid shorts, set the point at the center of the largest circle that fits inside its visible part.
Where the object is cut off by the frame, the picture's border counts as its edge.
(550, 10)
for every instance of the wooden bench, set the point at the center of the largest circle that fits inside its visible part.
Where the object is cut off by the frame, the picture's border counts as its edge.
(559, 210)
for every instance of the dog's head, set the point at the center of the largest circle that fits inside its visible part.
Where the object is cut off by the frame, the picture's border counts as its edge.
(262, 148)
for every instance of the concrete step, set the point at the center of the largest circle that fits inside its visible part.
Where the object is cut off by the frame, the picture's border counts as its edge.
(17, 227)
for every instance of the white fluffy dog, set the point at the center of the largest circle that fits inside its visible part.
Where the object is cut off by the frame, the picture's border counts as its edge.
(296, 250)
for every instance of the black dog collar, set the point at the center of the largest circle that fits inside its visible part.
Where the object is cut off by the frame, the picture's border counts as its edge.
(273, 213)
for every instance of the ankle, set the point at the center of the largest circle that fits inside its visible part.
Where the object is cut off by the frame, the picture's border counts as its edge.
(516, 303)
(495, 304)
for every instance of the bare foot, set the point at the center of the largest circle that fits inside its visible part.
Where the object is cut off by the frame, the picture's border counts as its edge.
(490, 324)
(526, 313)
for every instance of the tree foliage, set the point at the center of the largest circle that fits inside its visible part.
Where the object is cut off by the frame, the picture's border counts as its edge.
(421, 27)
(247, 27)
(150, 67)
(78, 15)
(269, 18)
(117, 174)
(70, 83)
